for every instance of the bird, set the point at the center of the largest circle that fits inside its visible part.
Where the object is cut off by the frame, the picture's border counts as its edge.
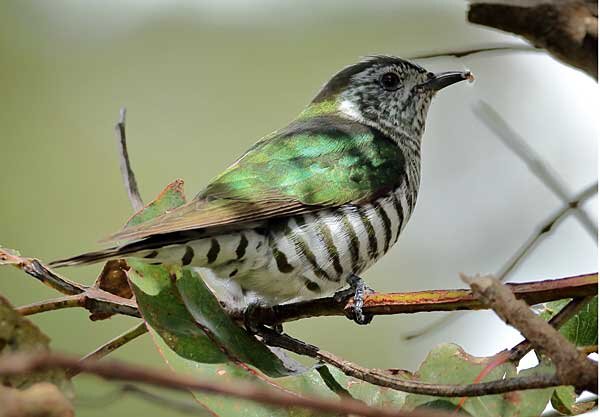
(310, 207)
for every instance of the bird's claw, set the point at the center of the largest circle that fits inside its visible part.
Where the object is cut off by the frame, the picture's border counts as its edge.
(357, 289)
(252, 325)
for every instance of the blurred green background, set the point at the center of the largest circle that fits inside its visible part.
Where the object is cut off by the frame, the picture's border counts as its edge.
(203, 80)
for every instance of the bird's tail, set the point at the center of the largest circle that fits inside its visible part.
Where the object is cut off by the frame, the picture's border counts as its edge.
(91, 257)
(143, 248)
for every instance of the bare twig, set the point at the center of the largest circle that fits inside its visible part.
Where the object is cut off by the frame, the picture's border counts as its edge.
(572, 367)
(544, 229)
(126, 172)
(34, 268)
(18, 364)
(113, 344)
(421, 301)
(498, 48)
(68, 301)
(388, 380)
(93, 299)
(568, 29)
(515, 142)
(179, 405)
(97, 300)
(520, 350)
(586, 350)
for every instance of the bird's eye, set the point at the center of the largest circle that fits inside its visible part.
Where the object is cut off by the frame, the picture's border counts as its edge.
(390, 81)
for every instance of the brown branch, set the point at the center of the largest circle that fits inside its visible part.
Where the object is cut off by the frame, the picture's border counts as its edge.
(467, 52)
(388, 380)
(113, 345)
(421, 301)
(19, 364)
(93, 299)
(190, 407)
(126, 172)
(520, 350)
(568, 29)
(572, 367)
(97, 300)
(68, 301)
(34, 268)
(544, 229)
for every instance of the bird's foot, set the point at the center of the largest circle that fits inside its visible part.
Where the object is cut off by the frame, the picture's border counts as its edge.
(357, 289)
(252, 325)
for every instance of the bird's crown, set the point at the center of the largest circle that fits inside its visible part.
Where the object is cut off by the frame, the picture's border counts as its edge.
(384, 92)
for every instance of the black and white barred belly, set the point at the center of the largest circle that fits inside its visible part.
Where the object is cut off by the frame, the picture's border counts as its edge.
(299, 257)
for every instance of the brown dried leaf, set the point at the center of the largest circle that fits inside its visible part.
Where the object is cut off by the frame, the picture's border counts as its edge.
(113, 279)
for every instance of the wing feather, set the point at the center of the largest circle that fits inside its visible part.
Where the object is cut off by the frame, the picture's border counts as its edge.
(325, 161)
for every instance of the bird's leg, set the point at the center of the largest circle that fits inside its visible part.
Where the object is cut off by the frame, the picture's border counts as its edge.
(357, 289)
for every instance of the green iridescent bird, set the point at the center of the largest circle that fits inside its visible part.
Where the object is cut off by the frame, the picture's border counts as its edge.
(311, 206)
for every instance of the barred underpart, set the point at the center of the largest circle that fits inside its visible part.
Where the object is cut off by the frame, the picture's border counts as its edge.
(298, 257)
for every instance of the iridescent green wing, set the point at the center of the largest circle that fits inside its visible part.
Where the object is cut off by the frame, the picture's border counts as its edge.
(315, 163)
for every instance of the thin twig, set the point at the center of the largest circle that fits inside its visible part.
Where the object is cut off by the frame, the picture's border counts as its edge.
(126, 172)
(18, 364)
(544, 229)
(97, 300)
(383, 379)
(586, 350)
(113, 345)
(68, 301)
(572, 367)
(460, 54)
(520, 350)
(179, 405)
(37, 270)
(516, 143)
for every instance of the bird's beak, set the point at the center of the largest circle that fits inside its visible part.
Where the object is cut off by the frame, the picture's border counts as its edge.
(444, 79)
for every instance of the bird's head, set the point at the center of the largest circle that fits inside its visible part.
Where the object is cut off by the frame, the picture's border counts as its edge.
(387, 93)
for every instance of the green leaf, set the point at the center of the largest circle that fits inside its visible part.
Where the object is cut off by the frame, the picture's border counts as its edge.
(196, 336)
(184, 312)
(450, 364)
(161, 307)
(443, 405)
(310, 383)
(582, 328)
(169, 198)
(563, 400)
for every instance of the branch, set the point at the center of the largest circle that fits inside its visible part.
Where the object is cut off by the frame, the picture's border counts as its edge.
(113, 344)
(519, 351)
(68, 301)
(572, 367)
(545, 227)
(180, 405)
(533, 160)
(568, 29)
(97, 300)
(18, 364)
(421, 301)
(34, 268)
(461, 54)
(126, 171)
(93, 299)
(388, 380)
